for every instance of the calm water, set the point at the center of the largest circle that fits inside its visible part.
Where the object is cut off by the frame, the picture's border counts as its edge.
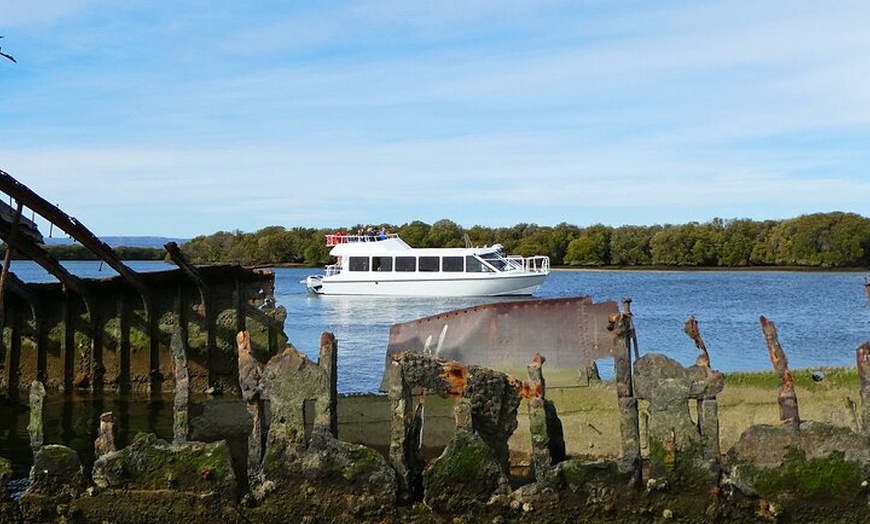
(821, 317)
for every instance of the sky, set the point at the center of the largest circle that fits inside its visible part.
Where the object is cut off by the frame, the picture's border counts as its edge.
(186, 118)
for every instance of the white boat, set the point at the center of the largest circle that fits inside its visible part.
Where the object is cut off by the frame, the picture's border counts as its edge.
(386, 265)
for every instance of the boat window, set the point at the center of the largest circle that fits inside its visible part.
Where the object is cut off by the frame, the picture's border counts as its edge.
(429, 264)
(473, 265)
(496, 260)
(406, 263)
(452, 264)
(382, 263)
(359, 263)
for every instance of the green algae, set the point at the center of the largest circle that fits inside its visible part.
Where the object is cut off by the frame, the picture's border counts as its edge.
(830, 477)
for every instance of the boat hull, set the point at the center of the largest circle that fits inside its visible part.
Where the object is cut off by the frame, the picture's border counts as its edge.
(490, 286)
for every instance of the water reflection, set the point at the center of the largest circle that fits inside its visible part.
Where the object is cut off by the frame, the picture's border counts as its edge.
(73, 420)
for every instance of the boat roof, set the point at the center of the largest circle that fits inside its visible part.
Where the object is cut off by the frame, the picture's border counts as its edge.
(393, 245)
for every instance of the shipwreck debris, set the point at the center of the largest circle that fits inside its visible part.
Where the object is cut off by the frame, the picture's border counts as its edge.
(788, 403)
(114, 334)
(572, 333)
(862, 355)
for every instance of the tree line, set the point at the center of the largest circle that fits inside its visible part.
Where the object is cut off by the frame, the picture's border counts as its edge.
(822, 240)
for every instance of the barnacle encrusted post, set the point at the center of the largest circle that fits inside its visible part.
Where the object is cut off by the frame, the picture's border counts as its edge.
(180, 427)
(863, 358)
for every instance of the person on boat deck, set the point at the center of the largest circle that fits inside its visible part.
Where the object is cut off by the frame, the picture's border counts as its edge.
(370, 234)
(382, 234)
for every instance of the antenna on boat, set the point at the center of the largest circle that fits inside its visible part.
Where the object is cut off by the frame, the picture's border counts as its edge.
(467, 240)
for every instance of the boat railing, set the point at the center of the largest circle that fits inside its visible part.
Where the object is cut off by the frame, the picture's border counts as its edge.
(332, 269)
(535, 264)
(338, 238)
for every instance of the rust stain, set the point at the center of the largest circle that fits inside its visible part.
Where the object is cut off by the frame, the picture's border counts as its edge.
(456, 376)
(528, 390)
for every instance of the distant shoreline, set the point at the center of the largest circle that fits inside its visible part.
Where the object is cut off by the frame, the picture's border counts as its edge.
(805, 269)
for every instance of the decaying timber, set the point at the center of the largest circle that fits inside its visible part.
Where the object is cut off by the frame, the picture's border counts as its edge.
(114, 334)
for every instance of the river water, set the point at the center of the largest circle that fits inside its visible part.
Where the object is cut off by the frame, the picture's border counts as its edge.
(821, 317)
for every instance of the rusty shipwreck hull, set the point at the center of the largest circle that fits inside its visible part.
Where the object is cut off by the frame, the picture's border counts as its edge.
(113, 334)
(571, 332)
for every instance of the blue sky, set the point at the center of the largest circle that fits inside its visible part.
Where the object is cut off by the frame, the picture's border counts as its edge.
(186, 118)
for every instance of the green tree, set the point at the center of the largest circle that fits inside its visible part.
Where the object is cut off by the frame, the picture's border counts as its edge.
(534, 244)
(414, 233)
(445, 233)
(822, 240)
(557, 241)
(630, 245)
(591, 248)
(672, 246)
(482, 236)
(739, 241)
(274, 245)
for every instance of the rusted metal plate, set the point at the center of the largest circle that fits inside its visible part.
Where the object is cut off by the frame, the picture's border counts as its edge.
(569, 332)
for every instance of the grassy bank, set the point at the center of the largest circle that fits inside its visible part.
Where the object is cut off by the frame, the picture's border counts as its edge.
(591, 421)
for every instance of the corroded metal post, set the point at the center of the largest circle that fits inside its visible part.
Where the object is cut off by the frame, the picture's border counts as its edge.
(180, 428)
(35, 428)
(691, 329)
(863, 357)
(788, 403)
(548, 443)
(4, 272)
(105, 442)
(328, 417)
(403, 444)
(708, 408)
(7, 257)
(208, 310)
(251, 384)
(629, 425)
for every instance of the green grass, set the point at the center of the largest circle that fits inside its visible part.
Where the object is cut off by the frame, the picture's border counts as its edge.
(833, 377)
